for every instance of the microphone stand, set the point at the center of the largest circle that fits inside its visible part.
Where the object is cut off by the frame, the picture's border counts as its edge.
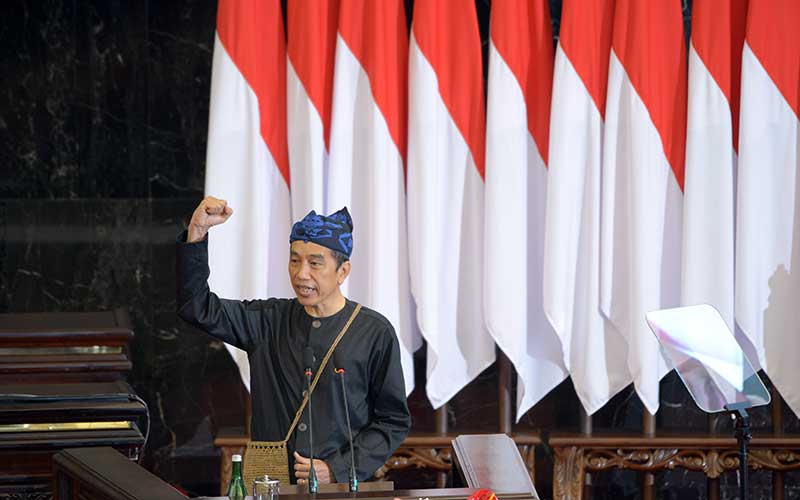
(308, 361)
(353, 477)
(312, 473)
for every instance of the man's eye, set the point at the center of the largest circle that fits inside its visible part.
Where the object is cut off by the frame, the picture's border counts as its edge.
(316, 264)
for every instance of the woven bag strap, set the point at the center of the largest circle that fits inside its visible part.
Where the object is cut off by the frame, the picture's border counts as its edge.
(321, 369)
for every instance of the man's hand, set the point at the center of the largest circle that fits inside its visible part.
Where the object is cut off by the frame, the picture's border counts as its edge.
(302, 465)
(210, 212)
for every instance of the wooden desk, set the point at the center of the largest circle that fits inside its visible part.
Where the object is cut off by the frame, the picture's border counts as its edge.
(104, 474)
(429, 451)
(437, 494)
(301, 489)
(577, 454)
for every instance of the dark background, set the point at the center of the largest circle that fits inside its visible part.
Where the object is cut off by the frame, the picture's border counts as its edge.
(103, 122)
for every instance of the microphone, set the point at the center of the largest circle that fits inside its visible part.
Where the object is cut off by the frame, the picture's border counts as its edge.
(337, 368)
(308, 368)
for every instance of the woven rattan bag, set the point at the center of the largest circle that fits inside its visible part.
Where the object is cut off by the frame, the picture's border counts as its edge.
(272, 457)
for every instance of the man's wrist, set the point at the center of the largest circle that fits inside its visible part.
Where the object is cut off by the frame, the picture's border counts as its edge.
(195, 233)
(329, 479)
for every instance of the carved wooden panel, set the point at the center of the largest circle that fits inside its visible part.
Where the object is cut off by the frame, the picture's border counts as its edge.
(573, 462)
(27, 496)
(568, 471)
(438, 460)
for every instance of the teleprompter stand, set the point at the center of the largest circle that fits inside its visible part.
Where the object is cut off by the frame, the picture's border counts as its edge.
(742, 432)
(713, 367)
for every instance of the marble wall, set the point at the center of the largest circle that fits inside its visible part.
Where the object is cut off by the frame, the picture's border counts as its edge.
(103, 121)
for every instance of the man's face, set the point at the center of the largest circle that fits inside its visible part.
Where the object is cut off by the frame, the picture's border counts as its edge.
(312, 270)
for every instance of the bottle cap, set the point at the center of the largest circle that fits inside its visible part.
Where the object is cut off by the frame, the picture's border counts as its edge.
(236, 458)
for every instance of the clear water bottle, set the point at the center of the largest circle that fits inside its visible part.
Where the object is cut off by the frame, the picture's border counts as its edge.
(236, 489)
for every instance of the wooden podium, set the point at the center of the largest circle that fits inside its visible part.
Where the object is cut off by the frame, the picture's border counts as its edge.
(54, 348)
(62, 386)
(37, 421)
(105, 474)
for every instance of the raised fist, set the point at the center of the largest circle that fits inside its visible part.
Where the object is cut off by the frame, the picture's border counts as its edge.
(210, 212)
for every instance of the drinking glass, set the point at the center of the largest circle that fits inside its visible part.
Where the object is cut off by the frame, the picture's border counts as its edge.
(265, 488)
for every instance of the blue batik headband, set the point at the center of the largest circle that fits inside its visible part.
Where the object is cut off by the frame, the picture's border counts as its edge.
(334, 231)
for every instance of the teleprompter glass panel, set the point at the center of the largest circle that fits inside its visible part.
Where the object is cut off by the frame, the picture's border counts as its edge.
(707, 357)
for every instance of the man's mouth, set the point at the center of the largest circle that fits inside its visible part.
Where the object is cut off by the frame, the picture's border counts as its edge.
(305, 290)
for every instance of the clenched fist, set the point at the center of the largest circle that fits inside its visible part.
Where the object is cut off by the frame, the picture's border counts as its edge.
(210, 212)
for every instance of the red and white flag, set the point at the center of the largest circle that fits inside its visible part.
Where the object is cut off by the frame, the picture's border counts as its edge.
(517, 127)
(594, 351)
(246, 160)
(367, 160)
(445, 193)
(768, 203)
(309, 85)
(643, 164)
(718, 29)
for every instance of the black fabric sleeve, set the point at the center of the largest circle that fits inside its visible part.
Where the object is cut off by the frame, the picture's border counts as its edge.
(242, 324)
(390, 421)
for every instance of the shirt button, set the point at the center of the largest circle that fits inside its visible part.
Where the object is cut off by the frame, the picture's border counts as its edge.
(316, 323)
(302, 427)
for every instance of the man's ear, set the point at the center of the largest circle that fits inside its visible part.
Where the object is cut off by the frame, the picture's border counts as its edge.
(343, 272)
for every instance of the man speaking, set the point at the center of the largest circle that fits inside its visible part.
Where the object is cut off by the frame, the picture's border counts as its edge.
(278, 334)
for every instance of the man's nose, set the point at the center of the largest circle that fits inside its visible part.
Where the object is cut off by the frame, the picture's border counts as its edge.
(304, 271)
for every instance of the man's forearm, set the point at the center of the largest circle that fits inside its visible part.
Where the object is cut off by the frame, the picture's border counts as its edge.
(197, 305)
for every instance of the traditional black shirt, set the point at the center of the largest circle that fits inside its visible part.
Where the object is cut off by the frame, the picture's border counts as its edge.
(274, 333)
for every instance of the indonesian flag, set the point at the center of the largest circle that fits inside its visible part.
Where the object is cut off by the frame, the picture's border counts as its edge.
(768, 203)
(309, 85)
(367, 153)
(718, 29)
(445, 193)
(518, 119)
(594, 351)
(246, 160)
(643, 164)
